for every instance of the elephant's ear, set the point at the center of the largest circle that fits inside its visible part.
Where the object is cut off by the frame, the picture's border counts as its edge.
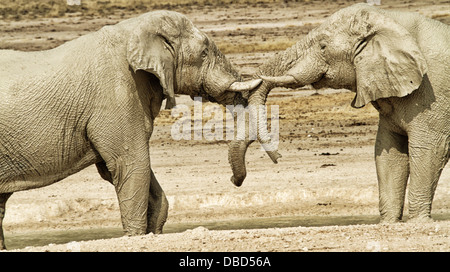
(153, 53)
(388, 60)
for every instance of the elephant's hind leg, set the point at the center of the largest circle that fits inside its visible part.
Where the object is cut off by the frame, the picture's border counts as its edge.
(158, 207)
(3, 199)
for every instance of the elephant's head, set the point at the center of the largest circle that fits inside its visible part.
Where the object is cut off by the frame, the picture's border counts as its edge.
(184, 59)
(360, 48)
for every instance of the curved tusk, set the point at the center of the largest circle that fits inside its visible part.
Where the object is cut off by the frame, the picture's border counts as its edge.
(280, 80)
(245, 85)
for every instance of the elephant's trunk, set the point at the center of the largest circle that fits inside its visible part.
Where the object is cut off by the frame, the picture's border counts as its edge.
(257, 101)
(297, 66)
(305, 72)
(293, 67)
(236, 157)
(239, 146)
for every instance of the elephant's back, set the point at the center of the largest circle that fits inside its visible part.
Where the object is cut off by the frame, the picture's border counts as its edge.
(18, 66)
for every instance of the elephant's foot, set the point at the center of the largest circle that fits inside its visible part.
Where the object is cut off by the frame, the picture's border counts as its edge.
(420, 219)
(133, 229)
(391, 216)
(419, 211)
(133, 233)
(389, 220)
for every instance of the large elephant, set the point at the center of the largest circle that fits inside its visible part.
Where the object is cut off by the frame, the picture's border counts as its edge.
(93, 100)
(399, 62)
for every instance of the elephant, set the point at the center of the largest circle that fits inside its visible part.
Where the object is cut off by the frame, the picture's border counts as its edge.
(399, 62)
(93, 100)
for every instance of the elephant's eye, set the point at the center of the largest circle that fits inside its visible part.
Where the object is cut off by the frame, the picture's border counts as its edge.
(323, 41)
(204, 53)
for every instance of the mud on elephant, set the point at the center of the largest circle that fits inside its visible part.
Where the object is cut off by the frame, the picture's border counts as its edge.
(399, 62)
(93, 100)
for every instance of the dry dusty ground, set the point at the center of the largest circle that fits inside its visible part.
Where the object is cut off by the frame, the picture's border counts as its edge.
(327, 169)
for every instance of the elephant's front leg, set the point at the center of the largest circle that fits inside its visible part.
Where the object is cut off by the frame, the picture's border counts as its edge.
(131, 178)
(428, 156)
(392, 163)
(158, 207)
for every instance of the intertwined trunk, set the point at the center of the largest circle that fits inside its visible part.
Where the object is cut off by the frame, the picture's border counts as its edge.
(238, 147)
(281, 64)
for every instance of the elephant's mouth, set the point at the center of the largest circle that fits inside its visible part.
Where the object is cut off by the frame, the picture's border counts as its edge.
(327, 82)
(321, 82)
(201, 92)
(229, 95)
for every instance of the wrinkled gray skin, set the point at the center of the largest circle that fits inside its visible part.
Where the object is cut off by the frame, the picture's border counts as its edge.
(94, 99)
(399, 62)
(238, 147)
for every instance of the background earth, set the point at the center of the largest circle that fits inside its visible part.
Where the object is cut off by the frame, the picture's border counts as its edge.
(327, 173)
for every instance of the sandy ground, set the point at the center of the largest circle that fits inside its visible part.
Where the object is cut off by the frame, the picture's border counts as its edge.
(327, 169)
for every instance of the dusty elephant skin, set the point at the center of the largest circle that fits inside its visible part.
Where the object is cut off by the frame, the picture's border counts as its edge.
(238, 147)
(399, 62)
(93, 101)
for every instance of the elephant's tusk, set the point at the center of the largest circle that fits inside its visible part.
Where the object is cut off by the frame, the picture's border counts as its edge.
(244, 86)
(280, 80)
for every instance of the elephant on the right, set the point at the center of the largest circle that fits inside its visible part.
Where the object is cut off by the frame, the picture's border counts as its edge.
(399, 62)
